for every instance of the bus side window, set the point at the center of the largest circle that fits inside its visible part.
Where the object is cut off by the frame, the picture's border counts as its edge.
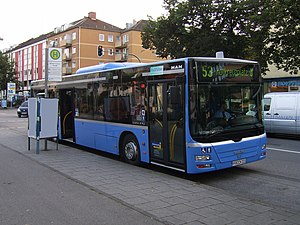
(117, 109)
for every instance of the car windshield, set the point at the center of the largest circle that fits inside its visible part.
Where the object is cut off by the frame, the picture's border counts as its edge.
(24, 104)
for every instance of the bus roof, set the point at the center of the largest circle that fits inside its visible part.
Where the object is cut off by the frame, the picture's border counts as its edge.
(122, 65)
(106, 66)
(223, 60)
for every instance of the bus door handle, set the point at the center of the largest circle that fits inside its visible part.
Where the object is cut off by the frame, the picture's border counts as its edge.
(268, 114)
(276, 114)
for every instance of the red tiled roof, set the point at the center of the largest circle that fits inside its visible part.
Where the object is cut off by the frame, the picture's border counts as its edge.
(89, 23)
(138, 26)
(32, 41)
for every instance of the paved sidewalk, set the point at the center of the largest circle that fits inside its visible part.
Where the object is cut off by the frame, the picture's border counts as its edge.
(170, 199)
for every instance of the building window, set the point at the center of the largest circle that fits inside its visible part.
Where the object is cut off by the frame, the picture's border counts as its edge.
(101, 37)
(74, 36)
(110, 38)
(73, 50)
(110, 51)
(66, 51)
(73, 64)
(125, 38)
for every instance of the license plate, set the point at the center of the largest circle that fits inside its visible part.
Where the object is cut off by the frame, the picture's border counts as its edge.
(238, 162)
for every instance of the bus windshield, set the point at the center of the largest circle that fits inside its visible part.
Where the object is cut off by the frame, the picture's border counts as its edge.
(224, 101)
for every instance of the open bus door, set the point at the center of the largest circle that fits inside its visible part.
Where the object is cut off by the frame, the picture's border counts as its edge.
(166, 124)
(66, 109)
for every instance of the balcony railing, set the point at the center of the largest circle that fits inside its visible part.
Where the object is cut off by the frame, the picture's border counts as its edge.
(66, 42)
(67, 70)
(119, 44)
(120, 57)
(67, 57)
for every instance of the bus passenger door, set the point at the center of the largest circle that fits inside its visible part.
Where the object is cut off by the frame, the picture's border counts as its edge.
(66, 112)
(166, 124)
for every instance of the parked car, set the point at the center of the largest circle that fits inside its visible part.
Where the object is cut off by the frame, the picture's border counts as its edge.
(282, 113)
(23, 109)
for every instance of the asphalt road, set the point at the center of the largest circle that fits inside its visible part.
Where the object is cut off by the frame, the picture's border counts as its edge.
(31, 193)
(275, 180)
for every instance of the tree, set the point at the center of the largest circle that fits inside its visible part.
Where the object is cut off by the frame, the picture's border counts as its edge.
(284, 47)
(244, 26)
(239, 28)
(7, 71)
(186, 31)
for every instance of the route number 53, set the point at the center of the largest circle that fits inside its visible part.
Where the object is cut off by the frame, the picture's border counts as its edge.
(207, 71)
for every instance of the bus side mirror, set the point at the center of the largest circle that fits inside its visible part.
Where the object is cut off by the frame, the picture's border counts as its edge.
(174, 93)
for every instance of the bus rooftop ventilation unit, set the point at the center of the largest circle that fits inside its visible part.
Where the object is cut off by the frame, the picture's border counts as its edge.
(219, 55)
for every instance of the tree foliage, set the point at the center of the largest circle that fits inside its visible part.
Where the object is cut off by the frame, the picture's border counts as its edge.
(239, 28)
(284, 41)
(7, 71)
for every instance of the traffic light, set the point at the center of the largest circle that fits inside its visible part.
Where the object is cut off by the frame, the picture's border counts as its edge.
(143, 87)
(100, 51)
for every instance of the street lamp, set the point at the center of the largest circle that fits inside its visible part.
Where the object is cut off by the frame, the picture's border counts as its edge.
(135, 56)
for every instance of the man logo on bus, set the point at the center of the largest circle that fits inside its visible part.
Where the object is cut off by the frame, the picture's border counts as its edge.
(55, 54)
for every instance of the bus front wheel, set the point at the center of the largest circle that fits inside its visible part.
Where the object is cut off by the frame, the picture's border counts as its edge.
(131, 149)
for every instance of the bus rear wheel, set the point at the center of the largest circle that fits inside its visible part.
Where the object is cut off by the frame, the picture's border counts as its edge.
(131, 149)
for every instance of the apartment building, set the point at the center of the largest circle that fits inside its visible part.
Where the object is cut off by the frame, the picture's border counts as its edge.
(80, 41)
(29, 58)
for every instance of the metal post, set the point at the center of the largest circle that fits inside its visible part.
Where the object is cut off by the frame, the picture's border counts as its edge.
(46, 81)
(38, 121)
(46, 72)
(28, 143)
(37, 151)
(131, 54)
(135, 56)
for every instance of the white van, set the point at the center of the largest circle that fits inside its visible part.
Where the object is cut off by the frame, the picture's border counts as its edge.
(282, 113)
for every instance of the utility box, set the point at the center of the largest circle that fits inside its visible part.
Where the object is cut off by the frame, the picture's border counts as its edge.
(42, 118)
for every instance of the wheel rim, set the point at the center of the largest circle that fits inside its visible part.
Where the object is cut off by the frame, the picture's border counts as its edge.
(130, 150)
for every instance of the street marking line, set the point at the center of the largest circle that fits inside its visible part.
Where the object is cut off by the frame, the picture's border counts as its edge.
(282, 150)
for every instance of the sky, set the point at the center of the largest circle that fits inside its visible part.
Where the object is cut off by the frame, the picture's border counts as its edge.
(22, 20)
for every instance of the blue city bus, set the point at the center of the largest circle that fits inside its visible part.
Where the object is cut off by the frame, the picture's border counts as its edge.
(195, 114)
